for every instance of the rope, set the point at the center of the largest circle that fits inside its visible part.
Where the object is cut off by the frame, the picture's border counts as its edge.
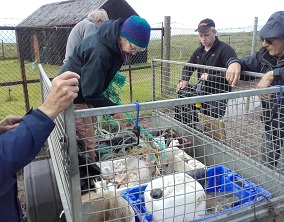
(113, 92)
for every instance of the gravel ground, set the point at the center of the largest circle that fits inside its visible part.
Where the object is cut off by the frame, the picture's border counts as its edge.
(21, 188)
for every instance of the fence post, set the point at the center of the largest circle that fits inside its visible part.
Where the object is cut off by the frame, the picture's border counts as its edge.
(166, 55)
(130, 79)
(3, 49)
(36, 48)
(254, 36)
(23, 70)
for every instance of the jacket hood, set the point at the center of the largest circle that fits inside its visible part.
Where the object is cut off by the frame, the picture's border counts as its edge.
(108, 33)
(274, 27)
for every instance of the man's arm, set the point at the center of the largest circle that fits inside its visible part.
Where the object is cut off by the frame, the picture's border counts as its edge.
(236, 66)
(274, 75)
(233, 73)
(186, 73)
(19, 146)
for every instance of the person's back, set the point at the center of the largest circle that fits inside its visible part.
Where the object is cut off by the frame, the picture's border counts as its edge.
(83, 29)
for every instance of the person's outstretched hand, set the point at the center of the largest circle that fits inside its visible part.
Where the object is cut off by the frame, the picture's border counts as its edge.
(233, 73)
(182, 85)
(64, 89)
(10, 122)
(265, 81)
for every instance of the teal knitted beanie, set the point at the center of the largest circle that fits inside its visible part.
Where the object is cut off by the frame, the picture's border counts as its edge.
(136, 30)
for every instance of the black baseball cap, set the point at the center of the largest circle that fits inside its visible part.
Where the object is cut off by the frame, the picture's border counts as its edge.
(205, 24)
(274, 27)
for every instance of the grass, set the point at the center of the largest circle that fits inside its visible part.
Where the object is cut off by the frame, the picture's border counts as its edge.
(8, 51)
(182, 46)
(12, 98)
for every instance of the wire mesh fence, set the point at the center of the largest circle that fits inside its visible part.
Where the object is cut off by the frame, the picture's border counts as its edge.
(23, 47)
(151, 166)
(19, 81)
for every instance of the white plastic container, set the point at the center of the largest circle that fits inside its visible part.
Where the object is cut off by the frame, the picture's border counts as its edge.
(177, 197)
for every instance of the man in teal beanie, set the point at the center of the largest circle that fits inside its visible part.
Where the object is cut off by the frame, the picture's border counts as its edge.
(97, 58)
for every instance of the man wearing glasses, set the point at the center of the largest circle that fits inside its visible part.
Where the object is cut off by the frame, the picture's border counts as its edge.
(269, 60)
(97, 58)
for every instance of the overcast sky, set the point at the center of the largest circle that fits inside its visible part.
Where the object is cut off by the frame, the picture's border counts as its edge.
(226, 14)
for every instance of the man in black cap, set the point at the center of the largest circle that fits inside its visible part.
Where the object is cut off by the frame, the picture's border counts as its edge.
(211, 52)
(269, 60)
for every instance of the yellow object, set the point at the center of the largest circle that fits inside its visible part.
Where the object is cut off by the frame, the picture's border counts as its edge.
(198, 105)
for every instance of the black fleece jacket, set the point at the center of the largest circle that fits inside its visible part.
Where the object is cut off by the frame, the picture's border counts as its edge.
(217, 56)
(96, 59)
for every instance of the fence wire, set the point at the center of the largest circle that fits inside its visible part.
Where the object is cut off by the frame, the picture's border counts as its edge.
(46, 45)
(215, 166)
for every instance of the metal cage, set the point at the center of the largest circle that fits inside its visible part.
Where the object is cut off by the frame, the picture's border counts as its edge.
(155, 167)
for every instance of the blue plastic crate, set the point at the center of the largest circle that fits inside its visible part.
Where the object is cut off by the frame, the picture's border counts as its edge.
(223, 180)
(135, 197)
(219, 180)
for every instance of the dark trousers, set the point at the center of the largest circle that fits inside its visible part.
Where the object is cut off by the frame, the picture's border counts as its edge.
(188, 114)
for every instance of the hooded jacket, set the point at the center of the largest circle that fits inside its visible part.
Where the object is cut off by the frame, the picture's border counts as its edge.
(96, 59)
(263, 62)
(18, 147)
(218, 56)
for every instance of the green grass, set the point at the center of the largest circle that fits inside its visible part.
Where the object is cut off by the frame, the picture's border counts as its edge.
(12, 97)
(8, 51)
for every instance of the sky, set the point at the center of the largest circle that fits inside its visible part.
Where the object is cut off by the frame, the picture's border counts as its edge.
(226, 14)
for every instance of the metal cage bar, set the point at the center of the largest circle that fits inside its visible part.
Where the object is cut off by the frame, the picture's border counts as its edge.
(222, 156)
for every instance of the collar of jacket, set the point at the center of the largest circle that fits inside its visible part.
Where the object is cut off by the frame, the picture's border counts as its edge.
(90, 20)
(271, 61)
(214, 44)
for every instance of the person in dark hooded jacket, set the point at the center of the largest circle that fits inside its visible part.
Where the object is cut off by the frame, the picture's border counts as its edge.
(269, 60)
(97, 58)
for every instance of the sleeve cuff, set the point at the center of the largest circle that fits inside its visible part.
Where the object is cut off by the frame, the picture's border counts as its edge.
(232, 60)
(38, 114)
(278, 73)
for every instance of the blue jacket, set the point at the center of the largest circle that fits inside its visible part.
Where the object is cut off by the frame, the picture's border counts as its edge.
(18, 147)
(261, 62)
(97, 58)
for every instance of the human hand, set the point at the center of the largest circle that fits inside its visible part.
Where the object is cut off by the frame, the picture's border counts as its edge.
(182, 85)
(265, 81)
(64, 89)
(117, 115)
(233, 73)
(10, 122)
(204, 76)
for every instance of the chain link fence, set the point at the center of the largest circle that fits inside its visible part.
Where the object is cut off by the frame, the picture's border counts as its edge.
(22, 48)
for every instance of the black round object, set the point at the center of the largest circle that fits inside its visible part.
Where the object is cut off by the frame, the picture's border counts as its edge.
(156, 193)
(43, 201)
